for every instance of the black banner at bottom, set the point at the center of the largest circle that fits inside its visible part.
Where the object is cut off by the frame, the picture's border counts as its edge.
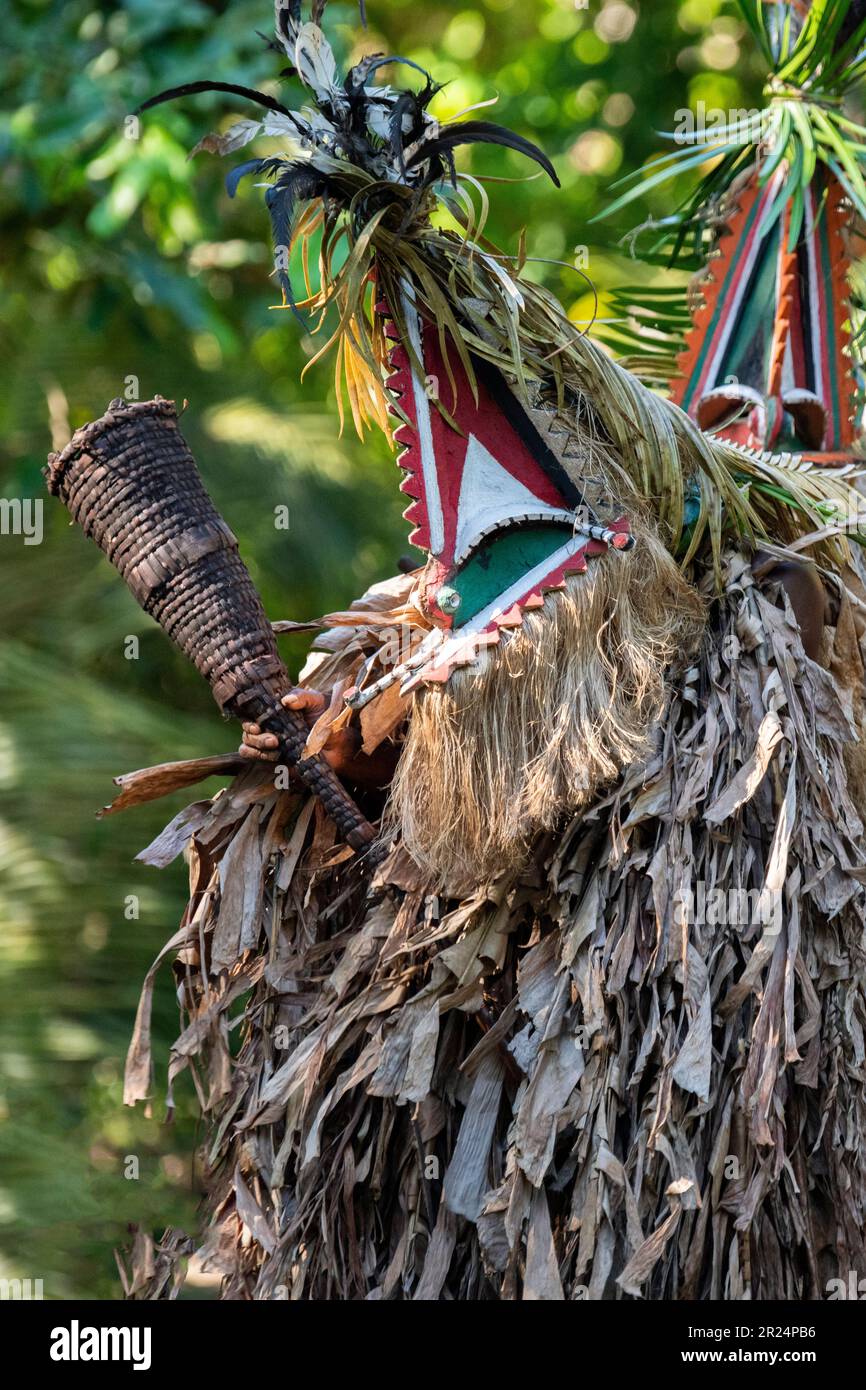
(81, 1339)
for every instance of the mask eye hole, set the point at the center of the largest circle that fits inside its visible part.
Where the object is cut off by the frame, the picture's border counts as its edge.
(498, 562)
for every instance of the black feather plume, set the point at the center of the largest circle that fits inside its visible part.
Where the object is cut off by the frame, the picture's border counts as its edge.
(481, 133)
(268, 167)
(403, 106)
(296, 184)
(190, 88)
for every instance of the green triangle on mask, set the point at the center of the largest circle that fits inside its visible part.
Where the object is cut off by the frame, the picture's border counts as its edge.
(500, 562)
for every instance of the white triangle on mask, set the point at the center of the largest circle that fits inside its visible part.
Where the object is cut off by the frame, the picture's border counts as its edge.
(491, 497)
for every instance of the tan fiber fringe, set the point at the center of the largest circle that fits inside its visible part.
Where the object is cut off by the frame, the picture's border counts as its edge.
(535, 727)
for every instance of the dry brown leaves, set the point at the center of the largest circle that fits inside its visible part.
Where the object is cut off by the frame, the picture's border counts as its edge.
(565, 1086)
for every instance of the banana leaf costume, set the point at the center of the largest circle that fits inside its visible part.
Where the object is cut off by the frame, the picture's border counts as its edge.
(558, 1082)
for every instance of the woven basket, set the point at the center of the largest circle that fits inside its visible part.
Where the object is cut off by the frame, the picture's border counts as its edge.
(131, 483)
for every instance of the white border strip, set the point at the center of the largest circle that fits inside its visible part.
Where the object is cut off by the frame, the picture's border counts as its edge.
(432, 498)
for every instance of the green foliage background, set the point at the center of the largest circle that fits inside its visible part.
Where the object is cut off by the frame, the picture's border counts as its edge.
(122, 259)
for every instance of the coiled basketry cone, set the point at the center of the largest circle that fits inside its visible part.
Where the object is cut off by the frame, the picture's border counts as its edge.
(131, 483)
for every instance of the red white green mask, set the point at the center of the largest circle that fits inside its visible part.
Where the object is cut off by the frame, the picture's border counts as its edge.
(501, 516)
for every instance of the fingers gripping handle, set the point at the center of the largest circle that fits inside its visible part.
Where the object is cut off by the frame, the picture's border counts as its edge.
(318, 775)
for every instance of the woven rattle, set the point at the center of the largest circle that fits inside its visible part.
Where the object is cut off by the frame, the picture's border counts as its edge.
(131, 483)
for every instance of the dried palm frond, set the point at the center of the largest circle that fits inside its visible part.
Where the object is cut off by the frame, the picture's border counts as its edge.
(813, 67)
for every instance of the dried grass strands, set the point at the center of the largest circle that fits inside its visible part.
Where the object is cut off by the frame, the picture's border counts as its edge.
(567, 701)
